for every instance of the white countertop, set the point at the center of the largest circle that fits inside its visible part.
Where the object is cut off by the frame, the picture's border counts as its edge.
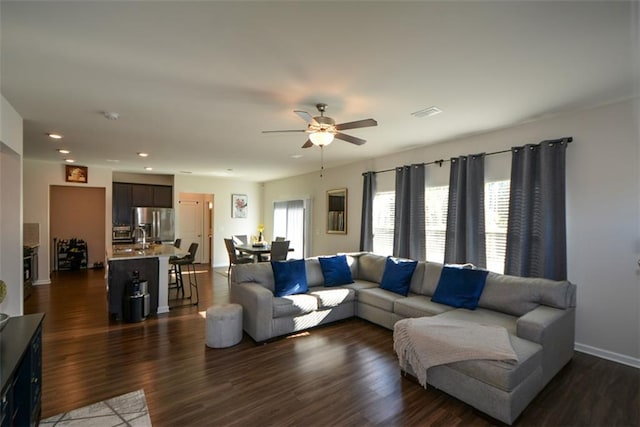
(134, 251)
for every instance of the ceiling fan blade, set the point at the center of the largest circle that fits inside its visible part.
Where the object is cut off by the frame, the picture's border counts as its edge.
(275, 131)
(308, 144)
(304, 116)
(349, 138)
(357, 124)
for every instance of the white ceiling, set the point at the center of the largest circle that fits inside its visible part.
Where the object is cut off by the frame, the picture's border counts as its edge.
(195, 83)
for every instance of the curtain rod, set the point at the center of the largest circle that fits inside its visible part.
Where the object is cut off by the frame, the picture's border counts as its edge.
(567, 139)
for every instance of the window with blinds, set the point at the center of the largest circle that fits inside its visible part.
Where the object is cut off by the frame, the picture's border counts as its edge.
(496, 199)
(496, 212)
(384, 204)
(436, 204)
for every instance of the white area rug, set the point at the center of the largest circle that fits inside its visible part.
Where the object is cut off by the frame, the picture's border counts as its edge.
(127, 410)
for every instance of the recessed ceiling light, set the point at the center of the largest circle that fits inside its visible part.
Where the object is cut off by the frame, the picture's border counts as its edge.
(63, 151)
(296, 156)
(427, 112)
(143, 154)
(69, 160)
(186, 172)
(148, 168)
(111, 115)
(113, 161)
(54, 135)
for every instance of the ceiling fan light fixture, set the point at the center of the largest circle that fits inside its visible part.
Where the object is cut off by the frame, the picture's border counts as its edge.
(321, 138)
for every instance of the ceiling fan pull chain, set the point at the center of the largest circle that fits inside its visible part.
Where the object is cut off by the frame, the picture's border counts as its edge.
(321, 160)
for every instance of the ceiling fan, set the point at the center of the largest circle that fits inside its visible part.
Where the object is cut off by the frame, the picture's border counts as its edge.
(322, 130)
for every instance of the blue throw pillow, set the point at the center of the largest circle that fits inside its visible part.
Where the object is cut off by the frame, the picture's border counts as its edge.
(335, 270)
(460, 287)
(397, 275)
(290, 277)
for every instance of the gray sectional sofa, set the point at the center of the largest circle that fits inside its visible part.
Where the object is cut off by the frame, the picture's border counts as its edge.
(539, 315)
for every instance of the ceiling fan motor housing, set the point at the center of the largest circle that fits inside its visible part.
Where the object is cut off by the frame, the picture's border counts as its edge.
(325, 122)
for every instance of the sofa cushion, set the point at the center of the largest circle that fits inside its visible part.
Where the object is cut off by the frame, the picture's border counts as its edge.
(460, 287)
(432, 272)
(484, 317)
(417, 278)
(371, 267)
(290, 277)
(314, 272)
(361, 284)
(260, 273)
(504, 375)
(520, 295)
(294, 305)
(378, 297)
(335, 270)
(418, 306)
(397, 275)
(332, 297)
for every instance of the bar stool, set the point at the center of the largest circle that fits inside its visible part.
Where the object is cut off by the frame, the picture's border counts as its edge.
(172, 268)
(188, 261)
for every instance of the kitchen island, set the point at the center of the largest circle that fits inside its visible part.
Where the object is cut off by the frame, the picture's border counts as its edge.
(153, 265)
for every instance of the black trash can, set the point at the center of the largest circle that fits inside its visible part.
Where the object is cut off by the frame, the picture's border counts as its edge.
(135, 304)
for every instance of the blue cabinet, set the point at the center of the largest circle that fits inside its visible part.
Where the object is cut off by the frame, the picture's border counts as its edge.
(21, 371)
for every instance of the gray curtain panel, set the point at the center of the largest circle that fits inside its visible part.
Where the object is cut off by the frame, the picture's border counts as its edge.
(536, 232)
(465, 238)
(366, 226)
(409, 231)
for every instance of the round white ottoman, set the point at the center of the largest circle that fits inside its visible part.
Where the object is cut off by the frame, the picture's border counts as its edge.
(224, 325)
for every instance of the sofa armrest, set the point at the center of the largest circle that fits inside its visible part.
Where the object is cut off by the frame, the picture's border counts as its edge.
(532, 326)
(554, 330)
(257, 308)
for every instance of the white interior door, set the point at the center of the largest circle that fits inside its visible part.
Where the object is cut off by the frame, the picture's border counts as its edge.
(191, 227)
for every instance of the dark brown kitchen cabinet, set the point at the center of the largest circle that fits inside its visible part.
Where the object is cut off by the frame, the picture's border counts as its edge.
(142, 195)
(162, 196)
(21, 371)
(122, 203)
(128, 195)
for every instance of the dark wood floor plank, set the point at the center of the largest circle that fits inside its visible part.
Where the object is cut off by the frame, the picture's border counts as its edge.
(341, 374)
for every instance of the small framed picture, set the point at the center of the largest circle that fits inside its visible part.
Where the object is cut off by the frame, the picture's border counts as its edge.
(78, 174)
(239, 203)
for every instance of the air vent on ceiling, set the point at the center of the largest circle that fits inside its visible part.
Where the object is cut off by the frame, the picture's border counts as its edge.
(427, 112)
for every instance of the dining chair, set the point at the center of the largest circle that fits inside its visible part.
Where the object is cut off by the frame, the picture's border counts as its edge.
(234, 258)
(280, 239)
(279, 250)
(177, 243)
(241, 239)
(188, 261)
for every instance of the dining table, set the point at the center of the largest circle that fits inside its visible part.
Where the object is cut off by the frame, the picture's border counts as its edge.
(256, 250)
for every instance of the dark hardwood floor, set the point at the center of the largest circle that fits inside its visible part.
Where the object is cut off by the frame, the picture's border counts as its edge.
(341, 374)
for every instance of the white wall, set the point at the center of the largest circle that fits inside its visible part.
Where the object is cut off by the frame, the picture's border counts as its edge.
(223, 224)
(38, 177)
(603, 211)
(11, 207)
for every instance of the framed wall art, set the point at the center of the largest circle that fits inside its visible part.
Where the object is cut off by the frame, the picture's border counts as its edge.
(239, 203)
(337, 211)
(77, 174)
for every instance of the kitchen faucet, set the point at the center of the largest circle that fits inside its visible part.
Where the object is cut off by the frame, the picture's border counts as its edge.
(144, 236)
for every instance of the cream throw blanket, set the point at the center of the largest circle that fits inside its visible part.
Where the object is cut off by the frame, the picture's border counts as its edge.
(430, 341)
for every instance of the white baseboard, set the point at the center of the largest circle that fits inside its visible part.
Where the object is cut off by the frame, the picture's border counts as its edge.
(609, 355)
(42, 282)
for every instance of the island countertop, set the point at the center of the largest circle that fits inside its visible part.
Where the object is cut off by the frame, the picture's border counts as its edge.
(134, 251)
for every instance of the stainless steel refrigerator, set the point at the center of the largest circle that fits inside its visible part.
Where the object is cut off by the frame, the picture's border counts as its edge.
(158, 223)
